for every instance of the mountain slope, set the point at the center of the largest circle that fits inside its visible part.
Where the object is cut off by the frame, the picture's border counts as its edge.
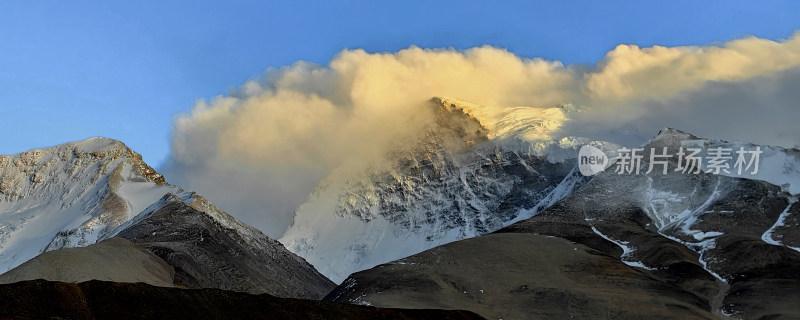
(522, 276)
(210, 249)
(625, 246)
(456, 181)
(115, 259)
(70, 195)
(77, 194)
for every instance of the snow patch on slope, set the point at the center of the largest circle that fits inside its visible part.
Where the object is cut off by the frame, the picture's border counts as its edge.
(627, 250)
(671, 213)
(566, 187)
(768, 235)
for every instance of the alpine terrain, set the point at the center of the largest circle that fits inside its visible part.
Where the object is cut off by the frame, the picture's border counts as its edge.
(672, 245)
(470, 173)
(480, 211)
(79, 194)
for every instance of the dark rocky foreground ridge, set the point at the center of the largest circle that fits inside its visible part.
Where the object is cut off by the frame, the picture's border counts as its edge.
(42, 299)
(654, 246)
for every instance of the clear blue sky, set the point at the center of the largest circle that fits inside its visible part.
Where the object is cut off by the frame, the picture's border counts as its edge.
(122, 69)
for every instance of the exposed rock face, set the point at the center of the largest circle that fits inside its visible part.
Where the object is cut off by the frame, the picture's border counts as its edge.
(452, 182)
(623, 246)
(107, 300)
(114, 259)
(210, 249)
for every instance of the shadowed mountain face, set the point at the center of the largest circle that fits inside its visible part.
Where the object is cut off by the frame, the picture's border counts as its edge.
(209, 252)
(108, 300)
(671, 246)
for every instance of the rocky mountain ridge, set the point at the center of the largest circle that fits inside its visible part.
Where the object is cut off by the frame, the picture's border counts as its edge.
(81, 193)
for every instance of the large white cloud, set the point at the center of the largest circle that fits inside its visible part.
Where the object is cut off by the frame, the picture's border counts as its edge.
(260, 151)
(632, 72)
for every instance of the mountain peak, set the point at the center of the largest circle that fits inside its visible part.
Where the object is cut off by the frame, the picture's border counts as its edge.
(474, 111)
(86, 188)
(101, 147)
(78, 193)
(673, 133)
(670, 137)
(529, 123)
(98, 144)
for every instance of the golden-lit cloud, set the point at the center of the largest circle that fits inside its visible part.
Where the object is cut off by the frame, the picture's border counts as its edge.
(630, 72)
(259, 151)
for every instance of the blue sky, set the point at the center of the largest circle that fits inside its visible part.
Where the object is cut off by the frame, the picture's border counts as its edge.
(75, 69)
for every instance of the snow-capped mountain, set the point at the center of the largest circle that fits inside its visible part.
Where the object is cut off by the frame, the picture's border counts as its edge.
(685, 245)
(472, 172)
(70, 195)
(78, 194)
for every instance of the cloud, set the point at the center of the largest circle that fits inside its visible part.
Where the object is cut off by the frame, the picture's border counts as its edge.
(761, 110)
(258, 152)
(741, 90)
(629, 72)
